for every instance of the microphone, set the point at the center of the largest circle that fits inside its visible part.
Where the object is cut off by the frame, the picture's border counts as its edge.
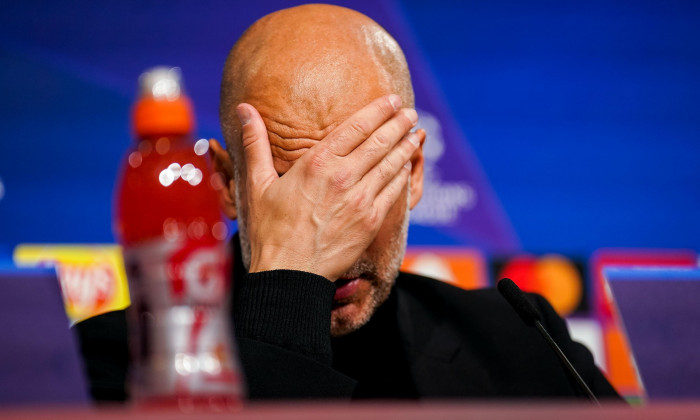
(531, 316)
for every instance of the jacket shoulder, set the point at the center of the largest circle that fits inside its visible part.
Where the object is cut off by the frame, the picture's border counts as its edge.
(510, 358)
(438, 294)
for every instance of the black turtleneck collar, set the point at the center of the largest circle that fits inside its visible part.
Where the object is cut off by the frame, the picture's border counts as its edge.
(374, 356)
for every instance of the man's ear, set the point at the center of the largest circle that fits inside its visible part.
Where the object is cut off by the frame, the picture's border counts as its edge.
(417, 162)
(223, 180)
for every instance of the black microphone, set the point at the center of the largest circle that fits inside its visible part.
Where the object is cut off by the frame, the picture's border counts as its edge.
(531, 316)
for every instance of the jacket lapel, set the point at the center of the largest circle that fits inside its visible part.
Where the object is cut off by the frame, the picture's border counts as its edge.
(442, 361)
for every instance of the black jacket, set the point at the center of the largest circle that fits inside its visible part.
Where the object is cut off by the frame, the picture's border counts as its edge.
(453, 343)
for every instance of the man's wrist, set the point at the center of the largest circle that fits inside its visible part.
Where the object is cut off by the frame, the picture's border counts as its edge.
(272, 259)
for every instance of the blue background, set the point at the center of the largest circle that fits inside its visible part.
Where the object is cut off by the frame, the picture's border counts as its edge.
(584, 115)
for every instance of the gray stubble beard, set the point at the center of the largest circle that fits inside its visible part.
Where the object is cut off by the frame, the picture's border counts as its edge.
(384, 279)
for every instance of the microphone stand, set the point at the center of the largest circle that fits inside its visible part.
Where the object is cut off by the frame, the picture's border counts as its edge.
(531, 316)
(566, 362)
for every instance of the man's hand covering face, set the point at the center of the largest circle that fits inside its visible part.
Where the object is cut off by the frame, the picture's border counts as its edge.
(324, 212)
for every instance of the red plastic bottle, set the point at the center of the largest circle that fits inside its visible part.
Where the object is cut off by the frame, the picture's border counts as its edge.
(173, 235)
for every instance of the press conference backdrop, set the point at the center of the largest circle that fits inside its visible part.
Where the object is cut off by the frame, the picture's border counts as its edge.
(554, 126)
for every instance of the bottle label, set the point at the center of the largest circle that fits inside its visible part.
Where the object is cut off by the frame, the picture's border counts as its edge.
(180, 329)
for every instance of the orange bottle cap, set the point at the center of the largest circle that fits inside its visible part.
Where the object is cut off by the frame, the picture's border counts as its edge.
(152, 116)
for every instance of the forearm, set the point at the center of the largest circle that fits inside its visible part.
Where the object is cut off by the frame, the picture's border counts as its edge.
(282, 324)
(286, 308)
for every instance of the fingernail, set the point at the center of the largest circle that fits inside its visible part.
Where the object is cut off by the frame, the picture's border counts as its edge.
(414, 139)
(412, 115)
(395, 101)
(408, 165)
(243, 114)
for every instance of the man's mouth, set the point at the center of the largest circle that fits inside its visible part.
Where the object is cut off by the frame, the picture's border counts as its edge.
(345, 288)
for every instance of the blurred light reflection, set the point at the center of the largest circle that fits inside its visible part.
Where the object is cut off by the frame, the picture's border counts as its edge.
(219, 231)
(196, 177)
(211, 364)
(201, 147)
(167, 89)
(176, 170)
(166, 177)
(217, 181)
(145, 147)
(163, 145)
(187, 171)
(135, 159)
(172, 230)
(197, 229)
(186, 364)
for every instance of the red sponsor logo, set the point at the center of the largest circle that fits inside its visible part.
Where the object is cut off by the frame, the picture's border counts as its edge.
(199, 274)
(87, 286)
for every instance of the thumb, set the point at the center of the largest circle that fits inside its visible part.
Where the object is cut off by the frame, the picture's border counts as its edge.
(256, 147)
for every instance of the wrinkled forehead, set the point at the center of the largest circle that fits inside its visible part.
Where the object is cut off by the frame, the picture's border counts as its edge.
(302, 102)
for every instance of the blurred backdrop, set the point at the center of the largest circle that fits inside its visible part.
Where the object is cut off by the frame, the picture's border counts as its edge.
(554, 126)
(563, 139)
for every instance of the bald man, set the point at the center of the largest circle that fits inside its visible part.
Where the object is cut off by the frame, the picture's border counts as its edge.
(320, 178)
(322, 171)
(322, 168)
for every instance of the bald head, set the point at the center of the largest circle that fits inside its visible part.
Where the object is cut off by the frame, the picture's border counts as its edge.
(306, 69)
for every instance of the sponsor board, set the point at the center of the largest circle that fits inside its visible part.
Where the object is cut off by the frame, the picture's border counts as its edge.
(92, 277)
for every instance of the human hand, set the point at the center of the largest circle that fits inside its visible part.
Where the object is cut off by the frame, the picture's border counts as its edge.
(324, 212)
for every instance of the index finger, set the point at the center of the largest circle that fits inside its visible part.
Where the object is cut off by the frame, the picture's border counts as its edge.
(358, 127)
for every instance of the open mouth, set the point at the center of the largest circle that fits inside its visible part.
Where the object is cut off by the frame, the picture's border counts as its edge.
(345, 288)
(351, 283)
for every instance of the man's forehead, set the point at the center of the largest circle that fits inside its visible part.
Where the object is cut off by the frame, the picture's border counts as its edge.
(311, 110)
(296, 126)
